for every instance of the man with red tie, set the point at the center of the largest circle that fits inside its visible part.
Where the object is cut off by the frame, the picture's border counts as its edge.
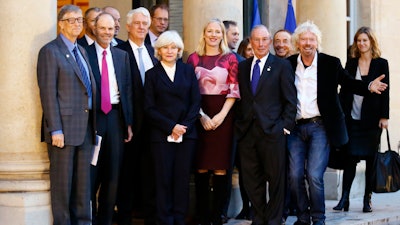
(113, 76)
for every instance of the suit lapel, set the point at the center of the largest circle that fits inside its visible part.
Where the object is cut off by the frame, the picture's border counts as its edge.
(163, 75)
(94, 63)
(70, 58)
(117, 69)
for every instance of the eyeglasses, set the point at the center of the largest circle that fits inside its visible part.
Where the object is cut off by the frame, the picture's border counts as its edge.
(73, 20)
(159, 19)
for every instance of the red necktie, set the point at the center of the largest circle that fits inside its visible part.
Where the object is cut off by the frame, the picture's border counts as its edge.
(105, 86)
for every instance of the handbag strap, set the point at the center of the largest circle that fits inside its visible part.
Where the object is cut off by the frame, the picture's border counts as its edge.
(388, 139)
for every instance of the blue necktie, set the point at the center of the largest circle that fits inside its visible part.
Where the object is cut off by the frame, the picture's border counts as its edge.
(255, 77)
(84, 75)
(141, 65)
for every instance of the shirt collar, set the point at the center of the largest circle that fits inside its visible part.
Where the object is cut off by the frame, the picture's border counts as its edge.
(134, 46)
(99, 49)
(262, 60)
(314, 62)
(68, 43)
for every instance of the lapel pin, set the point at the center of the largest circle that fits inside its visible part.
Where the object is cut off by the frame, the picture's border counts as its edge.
(67, 55)
(269, 68)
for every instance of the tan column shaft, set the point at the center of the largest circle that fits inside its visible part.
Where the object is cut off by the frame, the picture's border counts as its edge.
(330, 17)
(24, 184)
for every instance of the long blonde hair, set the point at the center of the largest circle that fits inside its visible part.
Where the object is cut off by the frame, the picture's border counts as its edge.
(223, 45)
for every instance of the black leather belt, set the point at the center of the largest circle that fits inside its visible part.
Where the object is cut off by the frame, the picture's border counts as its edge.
(308, 120)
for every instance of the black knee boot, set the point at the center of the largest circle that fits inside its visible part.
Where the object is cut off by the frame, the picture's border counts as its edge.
(344, 202)
(202, 197)
(367, 203)
(219, 198)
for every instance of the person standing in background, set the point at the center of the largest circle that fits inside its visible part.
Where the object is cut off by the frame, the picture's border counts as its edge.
(88, 24)
(282, 42)
(159, 22)
(245, 48)
(366, 116)
(68, 96)
(137, 185)
(117, 19)
(216, 71)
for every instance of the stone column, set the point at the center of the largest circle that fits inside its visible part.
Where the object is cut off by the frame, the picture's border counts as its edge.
(24, 181)
(330, 17)
(197, 13)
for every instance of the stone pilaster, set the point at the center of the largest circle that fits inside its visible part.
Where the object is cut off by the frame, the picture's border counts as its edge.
(330, 17)
(24, 182)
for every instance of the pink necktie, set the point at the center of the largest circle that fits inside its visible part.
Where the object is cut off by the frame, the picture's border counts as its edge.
(105, 86)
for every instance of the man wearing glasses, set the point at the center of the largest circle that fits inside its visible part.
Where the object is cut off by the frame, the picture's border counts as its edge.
(67, 93)
(159, 22)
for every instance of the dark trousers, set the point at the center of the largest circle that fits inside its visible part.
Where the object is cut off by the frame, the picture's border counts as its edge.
(105, 174)
(137, 181)
(172, 169)
(263, 160)
(70, 183)
(349, 173)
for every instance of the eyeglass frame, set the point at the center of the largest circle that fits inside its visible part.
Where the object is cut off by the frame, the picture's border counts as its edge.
(73, 20)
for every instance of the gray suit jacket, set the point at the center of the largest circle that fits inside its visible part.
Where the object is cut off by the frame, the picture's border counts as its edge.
(63, 95)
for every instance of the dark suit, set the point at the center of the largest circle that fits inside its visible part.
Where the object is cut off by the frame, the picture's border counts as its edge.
(137, 175)
(82, 41)
(261, 119)
(65, 107)
(112, 127)
(147, 40)
(168, 103)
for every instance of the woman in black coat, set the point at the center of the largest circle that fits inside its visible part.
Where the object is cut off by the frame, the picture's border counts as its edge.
(365, 115)
(172, 104)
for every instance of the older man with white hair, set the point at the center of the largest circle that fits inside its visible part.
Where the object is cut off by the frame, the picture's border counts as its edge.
(138, 165)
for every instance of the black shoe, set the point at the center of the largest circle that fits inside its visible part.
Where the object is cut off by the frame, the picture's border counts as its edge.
(367, 203)
(319, 222)
(344, 202)
(299, 222)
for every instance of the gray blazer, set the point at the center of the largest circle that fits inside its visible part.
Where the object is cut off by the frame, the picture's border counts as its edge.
(63, 95)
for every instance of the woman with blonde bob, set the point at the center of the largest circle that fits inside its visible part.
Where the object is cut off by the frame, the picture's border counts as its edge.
(172, 104)
(216, 70)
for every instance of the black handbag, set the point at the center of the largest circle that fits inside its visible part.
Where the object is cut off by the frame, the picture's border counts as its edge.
(386, 172)
(337, 158)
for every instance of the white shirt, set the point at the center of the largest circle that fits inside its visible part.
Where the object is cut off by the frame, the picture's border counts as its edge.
(357, 100)
(148, 63)
(260, 64)
(89, 40)
(306, 85)
(153, 38)
(169, 70)
(112, 80)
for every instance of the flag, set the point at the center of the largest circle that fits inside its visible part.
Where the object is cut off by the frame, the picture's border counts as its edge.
(290, 23)
(256, 15)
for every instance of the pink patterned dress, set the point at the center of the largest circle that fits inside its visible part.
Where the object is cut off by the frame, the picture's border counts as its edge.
(217, 76)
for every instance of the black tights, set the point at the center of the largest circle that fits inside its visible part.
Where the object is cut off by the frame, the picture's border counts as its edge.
(350, 172)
